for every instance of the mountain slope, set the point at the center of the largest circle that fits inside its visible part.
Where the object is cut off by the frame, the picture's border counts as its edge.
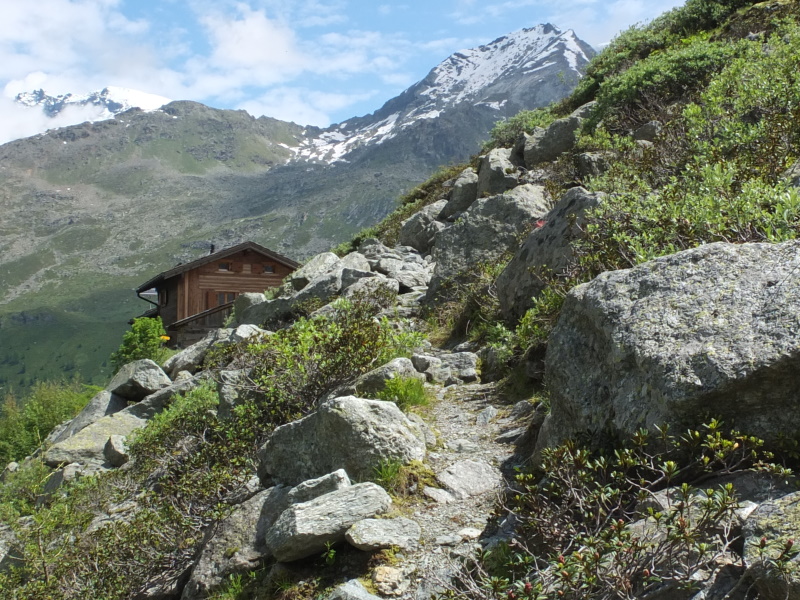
(92, 209)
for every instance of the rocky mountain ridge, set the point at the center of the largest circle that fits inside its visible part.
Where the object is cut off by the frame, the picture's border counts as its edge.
(108, 102)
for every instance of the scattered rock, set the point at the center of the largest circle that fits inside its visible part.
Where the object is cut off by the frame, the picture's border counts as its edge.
(469, 477)
(510, 436)
(138, 379)
(351, 590)
(484, 233)
(464, 193)
(648, 132)
(390, 581)
(116, 451)
(419, 230)
(88, 445)
(496, 173)
(592, 164)
(486, 416)
(546, 250)
(304, 529)
(313, 488)
(347, 433)
(319, 265)
(232, 390)
(462, 446)
(438, 495)
(708, 331)
(373, 382)
(375, 534)
(559, 137)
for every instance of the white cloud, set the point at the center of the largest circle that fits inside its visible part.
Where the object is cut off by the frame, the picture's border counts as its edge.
(20, 121)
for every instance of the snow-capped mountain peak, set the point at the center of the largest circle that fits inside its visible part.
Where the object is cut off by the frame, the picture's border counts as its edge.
(499, 77)
(106, 103)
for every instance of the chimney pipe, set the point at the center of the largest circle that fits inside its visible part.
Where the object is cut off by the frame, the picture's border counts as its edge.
(213, 247)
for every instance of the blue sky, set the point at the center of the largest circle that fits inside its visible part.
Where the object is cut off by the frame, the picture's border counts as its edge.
(313, 62)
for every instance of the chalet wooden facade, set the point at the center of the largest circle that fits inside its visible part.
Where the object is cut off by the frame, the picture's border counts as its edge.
(195, 297)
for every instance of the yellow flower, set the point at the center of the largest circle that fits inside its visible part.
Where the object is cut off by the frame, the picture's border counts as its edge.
(164, 338)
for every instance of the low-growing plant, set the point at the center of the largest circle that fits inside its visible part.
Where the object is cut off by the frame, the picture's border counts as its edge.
(403, 480)
(405, 392)
(574, 536)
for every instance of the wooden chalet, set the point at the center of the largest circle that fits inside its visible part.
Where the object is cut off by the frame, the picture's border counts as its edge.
(198, 296)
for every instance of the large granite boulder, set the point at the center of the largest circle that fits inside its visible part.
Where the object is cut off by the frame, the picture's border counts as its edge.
(496, 173)
(347, 433)
(304, 529)
(138, 379)
(708, 332)
(485, 232)
(546, 250)
(373, 382)
(230, 547)
(464, 193)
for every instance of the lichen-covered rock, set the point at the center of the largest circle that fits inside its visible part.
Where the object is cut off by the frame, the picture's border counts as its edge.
(711, 331)
(351, 590)
(103, 404)
(592, 164)
(376, 534)
(546, 250)
(559, 137)
(138, 379)
(409, 274)
(232, 388)
(469, 478)
(355, 260)
(779, 522)
(347, 433)
(304, 529)
(648, 132)
(88, 445)
(484, 233)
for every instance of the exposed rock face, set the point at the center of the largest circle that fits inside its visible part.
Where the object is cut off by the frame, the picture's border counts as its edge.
(463, 194)
(116, 451)
(496, 173)
(485, 232)
(546, 250)
(231, 548)
(711, 331)
(303, 529)
(347, 433)
(313, 488)
(138, 379)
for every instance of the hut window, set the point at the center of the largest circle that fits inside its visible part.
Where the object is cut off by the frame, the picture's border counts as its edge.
(224, 266)
(225, 297)
(269, 269)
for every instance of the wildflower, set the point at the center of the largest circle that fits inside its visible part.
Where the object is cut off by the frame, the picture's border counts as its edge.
(164, 338)
(540, 223)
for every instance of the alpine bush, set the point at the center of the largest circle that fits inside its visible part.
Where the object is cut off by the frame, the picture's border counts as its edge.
(145, 339)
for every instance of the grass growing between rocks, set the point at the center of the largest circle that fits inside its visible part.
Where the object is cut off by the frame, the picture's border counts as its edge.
(405, 392)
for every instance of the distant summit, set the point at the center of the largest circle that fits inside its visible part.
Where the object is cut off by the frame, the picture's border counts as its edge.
(108, 102)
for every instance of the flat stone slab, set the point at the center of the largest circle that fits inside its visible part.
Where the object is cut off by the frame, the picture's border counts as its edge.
(375, 534)
(469, 478)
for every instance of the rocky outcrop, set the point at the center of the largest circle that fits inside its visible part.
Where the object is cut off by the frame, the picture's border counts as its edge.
(420, 229)
(103, 404)
(319, 265)
(485, 232)
(706, 332)
(373, 382)
(347, 433)
(304, 529)
(546, 250)
(138, 379)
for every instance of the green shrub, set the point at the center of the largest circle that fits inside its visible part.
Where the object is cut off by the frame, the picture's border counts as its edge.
(573, 540)
(405, 392)
(24, 426)
(505, 133)
(145, 339)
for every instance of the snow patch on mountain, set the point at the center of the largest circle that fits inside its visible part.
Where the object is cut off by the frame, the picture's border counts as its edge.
(108, 102)
(467, 76)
